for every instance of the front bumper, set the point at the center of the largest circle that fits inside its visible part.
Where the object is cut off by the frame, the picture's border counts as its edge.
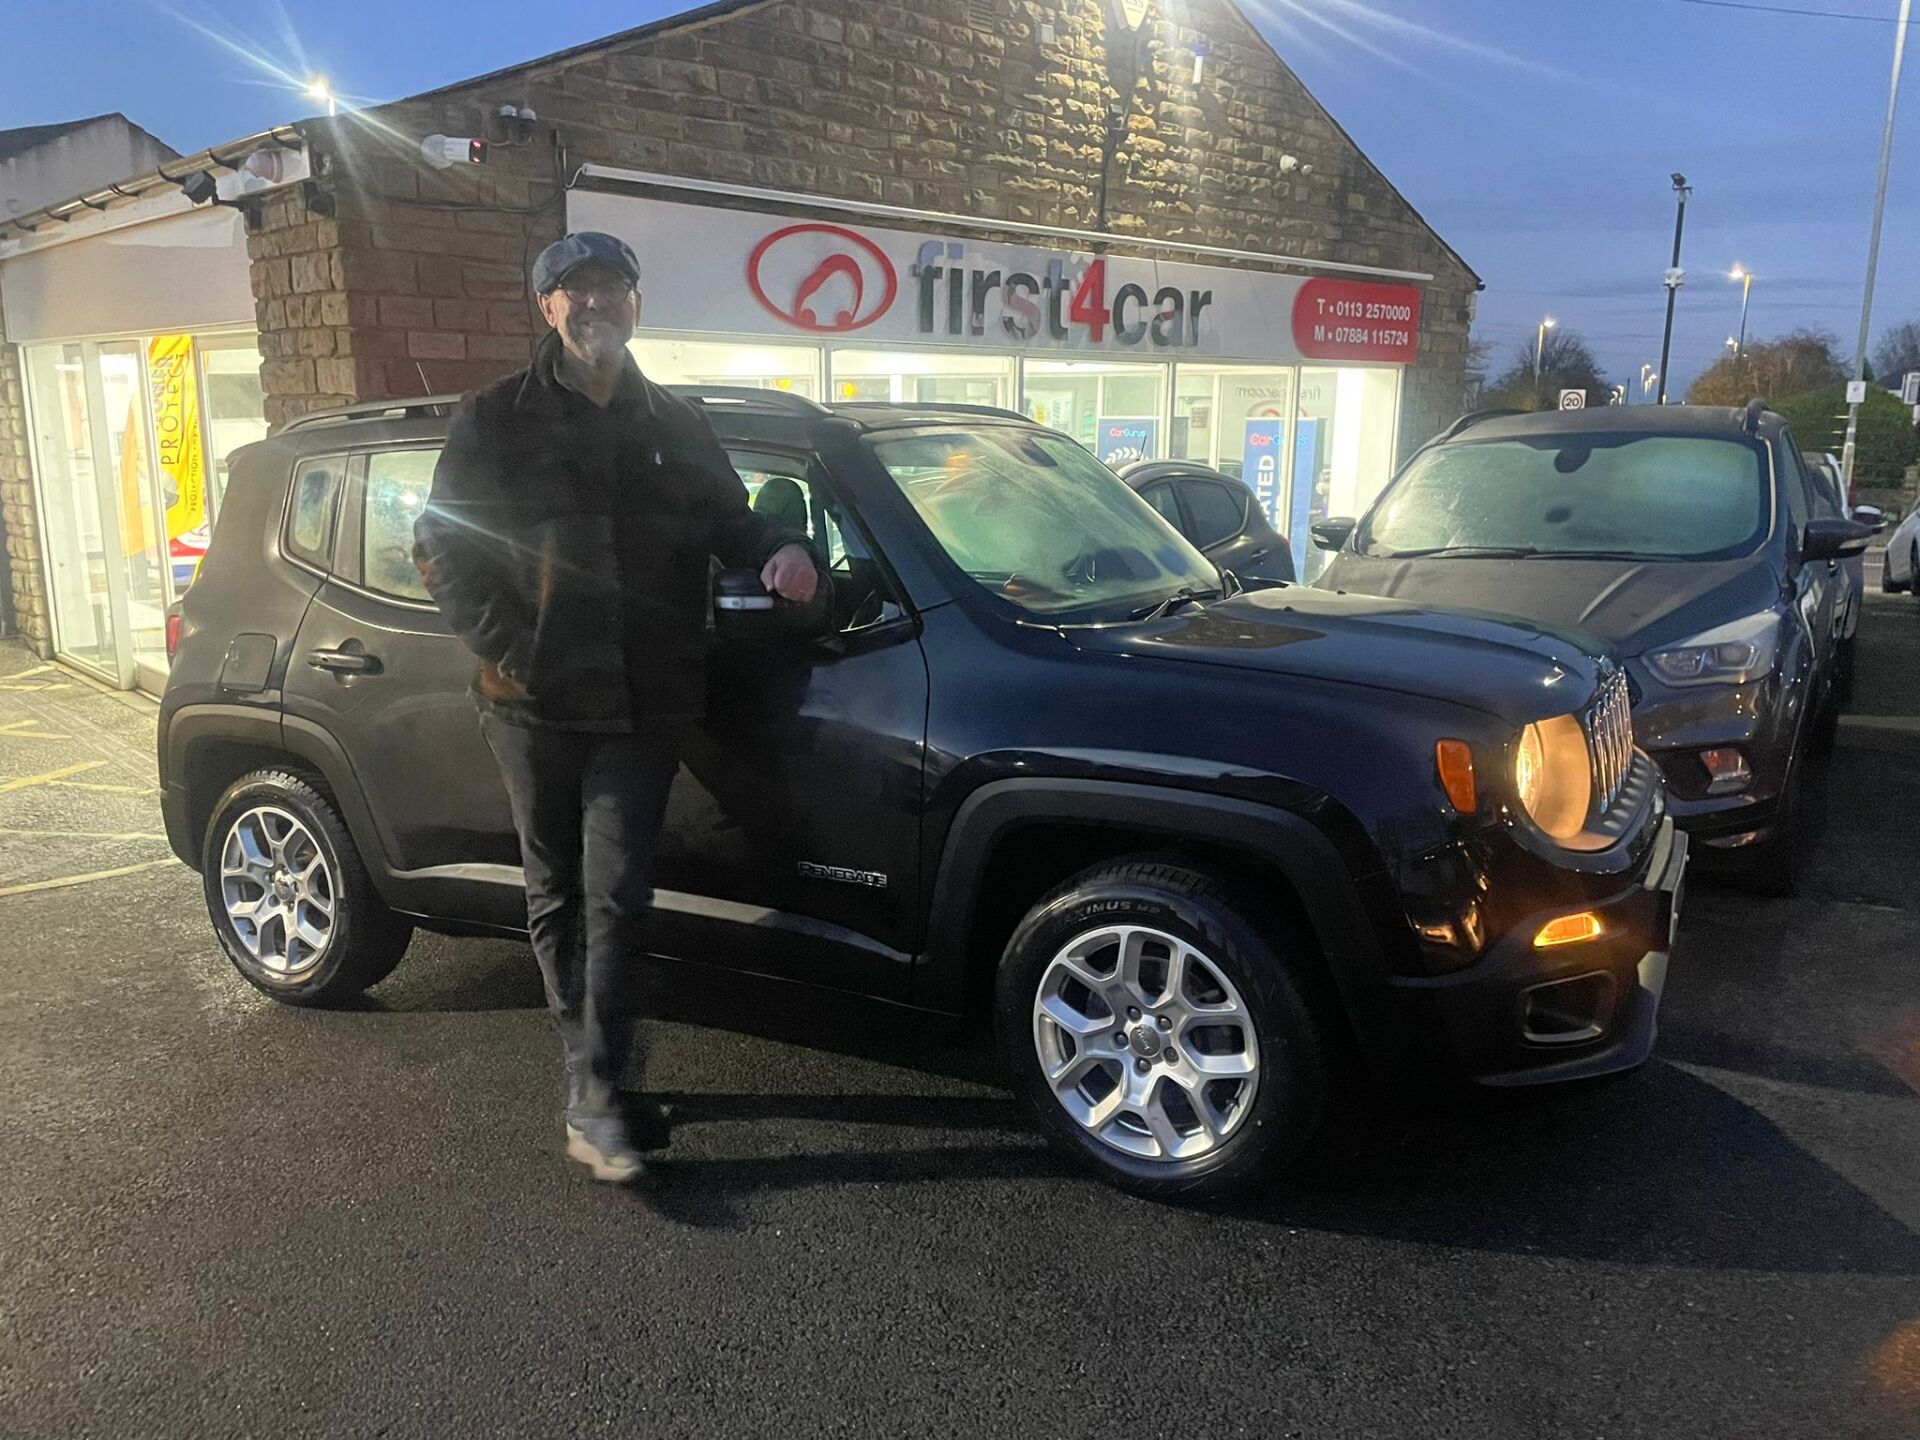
(1521, 1015)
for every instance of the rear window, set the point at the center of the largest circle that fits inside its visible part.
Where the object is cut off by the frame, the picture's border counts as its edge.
(1678, 497)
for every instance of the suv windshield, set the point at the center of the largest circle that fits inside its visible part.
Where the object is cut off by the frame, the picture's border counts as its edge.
(1035, 518)
(1676, 497)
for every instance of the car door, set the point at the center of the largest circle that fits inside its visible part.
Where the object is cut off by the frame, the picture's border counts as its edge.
(1849, 574)
(793, 826)
(378, 672)
(1818, 584)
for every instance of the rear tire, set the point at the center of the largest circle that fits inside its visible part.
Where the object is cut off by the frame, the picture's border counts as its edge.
(1198, 1059)
(289, 897)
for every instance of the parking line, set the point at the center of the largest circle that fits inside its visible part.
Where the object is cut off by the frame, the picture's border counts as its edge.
(88, 834)
(23, 730)
(27, 782)
(65, 880)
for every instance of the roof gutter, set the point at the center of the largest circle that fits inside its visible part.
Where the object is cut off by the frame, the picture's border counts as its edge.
(951, 221)
(220, 157)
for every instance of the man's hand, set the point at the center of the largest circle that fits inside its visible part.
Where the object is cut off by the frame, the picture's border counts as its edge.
(790, 574)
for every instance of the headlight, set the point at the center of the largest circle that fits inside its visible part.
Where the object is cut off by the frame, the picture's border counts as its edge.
(1731, 655)
(1553, 776)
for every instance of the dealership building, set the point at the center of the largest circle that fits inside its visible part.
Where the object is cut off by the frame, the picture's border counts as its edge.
(1129, 221)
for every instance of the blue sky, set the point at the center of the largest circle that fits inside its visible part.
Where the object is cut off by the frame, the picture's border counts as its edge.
(1536, 135)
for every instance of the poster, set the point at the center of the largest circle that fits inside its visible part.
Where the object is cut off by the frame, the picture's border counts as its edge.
(1121, 442)
(175, 386)
(1310, 486)
(1260, 465)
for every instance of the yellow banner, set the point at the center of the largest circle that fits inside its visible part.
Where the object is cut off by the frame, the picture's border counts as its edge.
(176, 432)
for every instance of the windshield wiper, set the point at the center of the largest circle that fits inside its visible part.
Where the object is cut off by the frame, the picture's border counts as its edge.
(1464, 552)
(1185, 595)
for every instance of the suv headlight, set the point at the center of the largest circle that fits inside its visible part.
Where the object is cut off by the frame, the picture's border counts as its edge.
(1553, 776)
(1733, 654)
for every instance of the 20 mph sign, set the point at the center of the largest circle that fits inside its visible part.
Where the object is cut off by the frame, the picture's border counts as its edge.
(1573, 399)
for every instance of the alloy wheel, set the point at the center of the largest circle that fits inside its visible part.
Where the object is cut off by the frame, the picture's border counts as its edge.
(279, 891)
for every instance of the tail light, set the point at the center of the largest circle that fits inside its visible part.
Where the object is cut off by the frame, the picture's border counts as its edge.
(173, 634)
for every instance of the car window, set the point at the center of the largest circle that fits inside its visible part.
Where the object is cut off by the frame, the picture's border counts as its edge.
(1657, 496)
(1033, 517)
(398, 483)
(316, 486)
(1217, 512)
(1162, 498)
(778, 486)
(1821, 483)
(1794, 489)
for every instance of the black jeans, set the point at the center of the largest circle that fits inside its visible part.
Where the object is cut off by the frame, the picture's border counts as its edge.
(588, 809)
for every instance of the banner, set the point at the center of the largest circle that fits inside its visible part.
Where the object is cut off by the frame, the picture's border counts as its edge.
(1121, 442)
(174, 382)
(1260, 466)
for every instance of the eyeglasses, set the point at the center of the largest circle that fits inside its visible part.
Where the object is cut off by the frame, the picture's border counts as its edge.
(607, 292)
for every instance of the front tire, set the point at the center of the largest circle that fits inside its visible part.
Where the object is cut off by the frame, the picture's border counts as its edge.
(289, 897)
(1164, 1039)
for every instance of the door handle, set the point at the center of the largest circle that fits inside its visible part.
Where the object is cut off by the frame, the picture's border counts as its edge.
(344, 662)
(1257, 556)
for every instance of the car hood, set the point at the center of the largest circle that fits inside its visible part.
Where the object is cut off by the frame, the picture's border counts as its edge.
(1629, 604)
(1513, 669)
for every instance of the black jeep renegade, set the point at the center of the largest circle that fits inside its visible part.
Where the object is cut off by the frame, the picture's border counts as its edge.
(1193, 845)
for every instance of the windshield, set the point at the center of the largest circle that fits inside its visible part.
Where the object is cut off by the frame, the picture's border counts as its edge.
(1642, 496)
(1035, 518)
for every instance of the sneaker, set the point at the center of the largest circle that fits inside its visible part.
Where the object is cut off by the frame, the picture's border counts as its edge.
(601, 1143)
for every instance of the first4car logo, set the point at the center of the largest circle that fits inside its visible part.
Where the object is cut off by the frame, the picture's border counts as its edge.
(845, 284)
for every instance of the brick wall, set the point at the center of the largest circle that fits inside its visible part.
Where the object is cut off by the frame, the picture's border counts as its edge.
(19, 519)
(417, 282)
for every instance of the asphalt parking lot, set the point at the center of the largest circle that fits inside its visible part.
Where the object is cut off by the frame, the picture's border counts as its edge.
(223, 1217)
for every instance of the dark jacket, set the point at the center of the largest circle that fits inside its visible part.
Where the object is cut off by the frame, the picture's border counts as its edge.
(570, 550)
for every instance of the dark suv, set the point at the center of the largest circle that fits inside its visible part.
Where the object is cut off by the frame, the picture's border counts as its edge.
(1198, 850)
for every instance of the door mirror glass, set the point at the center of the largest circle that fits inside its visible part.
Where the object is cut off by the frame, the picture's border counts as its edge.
(1334, 533)
(1871, 515)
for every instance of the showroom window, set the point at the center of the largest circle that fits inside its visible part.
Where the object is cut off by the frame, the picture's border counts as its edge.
(792, 368)
(1113, 410)
(922, 377)
(1343, 451)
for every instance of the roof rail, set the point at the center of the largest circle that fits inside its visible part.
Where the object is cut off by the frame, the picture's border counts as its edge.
(405, 408)
(749, 395)
(937, 406)
(1474, 417)
(1755, 409)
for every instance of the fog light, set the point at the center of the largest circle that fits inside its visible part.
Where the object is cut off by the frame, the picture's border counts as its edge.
(1727, 770)
(1569, 930)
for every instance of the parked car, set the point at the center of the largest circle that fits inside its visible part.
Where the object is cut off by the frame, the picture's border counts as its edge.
(1902, 563)
(1218, 514)
(1192, 846)
(1833, 496)
(1692, 540)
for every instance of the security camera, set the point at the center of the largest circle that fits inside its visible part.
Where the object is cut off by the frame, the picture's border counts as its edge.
(444, 151)
(1289, 164)
(199, 187)
(1679, 181)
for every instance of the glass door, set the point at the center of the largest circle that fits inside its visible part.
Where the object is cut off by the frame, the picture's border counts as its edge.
(142, 552)
(77, 508)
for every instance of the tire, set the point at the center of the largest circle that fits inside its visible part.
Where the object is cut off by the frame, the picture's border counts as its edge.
(275, 841)
(1260, 1124)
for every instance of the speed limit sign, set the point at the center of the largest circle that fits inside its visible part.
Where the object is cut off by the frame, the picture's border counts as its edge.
(1573, 399)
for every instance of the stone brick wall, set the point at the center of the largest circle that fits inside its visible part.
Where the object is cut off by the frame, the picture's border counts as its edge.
(416, 284)
(19, 519)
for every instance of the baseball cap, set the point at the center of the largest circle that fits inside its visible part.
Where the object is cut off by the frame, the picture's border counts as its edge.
(577, 249)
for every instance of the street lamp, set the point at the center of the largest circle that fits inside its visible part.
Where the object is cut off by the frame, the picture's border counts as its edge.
(1540, 345)
(1745, 277)
(1733, 347)
(317, 89)
(1647, 376)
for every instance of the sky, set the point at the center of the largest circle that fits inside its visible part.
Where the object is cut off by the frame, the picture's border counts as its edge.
(1537, 136)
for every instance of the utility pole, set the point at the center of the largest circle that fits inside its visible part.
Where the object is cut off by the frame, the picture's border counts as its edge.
(1676, 277)
(1873, 246)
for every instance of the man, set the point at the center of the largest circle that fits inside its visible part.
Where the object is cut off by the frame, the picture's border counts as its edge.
(575, 512)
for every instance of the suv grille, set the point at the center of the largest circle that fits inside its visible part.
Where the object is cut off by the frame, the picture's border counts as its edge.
(1609, 725)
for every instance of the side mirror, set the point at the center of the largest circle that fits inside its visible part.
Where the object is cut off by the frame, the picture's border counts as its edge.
(1334, 533)
(1830, 538)
(1871, 515)
(744, 611)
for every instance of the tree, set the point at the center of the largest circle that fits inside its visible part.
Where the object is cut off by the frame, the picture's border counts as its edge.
(1898, 352)
(1797, 362)
(1885, 445)
(1566, 363)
